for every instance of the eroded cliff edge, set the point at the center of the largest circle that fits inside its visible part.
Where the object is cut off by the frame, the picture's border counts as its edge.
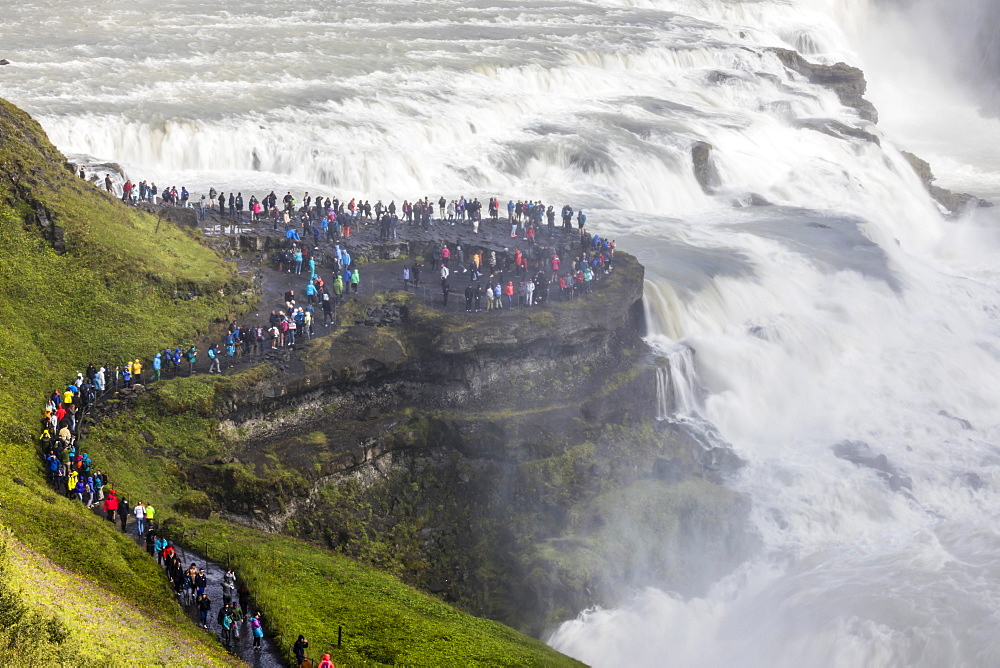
(510, 464)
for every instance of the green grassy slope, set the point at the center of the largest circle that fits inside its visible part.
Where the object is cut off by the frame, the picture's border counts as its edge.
(108, 297)
(302, 588)
(120, 286)
(61, 617)
(311, 591)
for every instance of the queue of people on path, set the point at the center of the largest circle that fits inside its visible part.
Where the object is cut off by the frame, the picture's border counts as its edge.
(73, 472)
(333, 218)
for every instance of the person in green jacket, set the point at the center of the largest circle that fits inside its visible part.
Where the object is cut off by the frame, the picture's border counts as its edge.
(355, 279)
(192, 357)
(338, 287)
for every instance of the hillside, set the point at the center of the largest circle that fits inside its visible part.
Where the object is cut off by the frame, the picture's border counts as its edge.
(85, 279)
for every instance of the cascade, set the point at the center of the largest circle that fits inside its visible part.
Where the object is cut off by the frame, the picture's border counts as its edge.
(677, 392)
(834, 303)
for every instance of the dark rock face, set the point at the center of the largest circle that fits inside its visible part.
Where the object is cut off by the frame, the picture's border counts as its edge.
(847, 82)
(384, 316)
(962, 421)
(751, 199)
(955, 203)
(861, 454)
(51, 232)
(491, 454)
(836, 129)
(705, 170)
(175, 214)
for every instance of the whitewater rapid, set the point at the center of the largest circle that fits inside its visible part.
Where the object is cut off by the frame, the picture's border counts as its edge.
(851, 310)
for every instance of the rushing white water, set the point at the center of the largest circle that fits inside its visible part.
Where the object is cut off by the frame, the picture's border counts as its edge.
(852, 310)
(677, 390)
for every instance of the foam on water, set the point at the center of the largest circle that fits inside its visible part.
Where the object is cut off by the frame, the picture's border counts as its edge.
(849, 311)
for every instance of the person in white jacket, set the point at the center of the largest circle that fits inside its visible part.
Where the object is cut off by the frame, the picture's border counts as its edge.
(140, 518)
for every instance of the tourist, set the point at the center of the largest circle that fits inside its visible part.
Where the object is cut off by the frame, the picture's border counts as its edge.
(110, 506)
(204, 607)
(299, 649)
(140, 518)
(123, 512)
(257, 629)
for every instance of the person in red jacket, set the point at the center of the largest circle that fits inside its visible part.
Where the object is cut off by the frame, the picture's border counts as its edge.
(509, 291)
(110, 506)
(325, 662)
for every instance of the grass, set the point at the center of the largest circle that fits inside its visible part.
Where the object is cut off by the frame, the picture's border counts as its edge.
(114, 284)
(47, 611)
(119, 284)
(311, 591)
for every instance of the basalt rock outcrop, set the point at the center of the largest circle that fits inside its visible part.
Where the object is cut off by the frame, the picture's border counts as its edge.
(491, 459)
(705, 170)
(955, 203)
(847, 82)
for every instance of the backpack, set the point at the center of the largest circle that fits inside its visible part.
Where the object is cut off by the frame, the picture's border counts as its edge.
(211, 353)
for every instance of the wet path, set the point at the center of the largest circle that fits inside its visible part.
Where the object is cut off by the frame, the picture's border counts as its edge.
(268, 656)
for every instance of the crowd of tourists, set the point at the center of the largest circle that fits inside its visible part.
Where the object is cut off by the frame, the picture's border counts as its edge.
(334, 217)
(518, 278)
(496, 278)
(553, 266)
(72, 472)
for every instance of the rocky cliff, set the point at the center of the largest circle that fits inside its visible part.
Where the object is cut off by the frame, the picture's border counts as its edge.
(496, 461)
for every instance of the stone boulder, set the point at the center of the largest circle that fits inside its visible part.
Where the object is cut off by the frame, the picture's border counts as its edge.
(847, 82)
(955, 203)
(705, 170)
(861, 454)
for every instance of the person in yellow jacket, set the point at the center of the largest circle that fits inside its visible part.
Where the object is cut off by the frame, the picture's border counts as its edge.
(137, 372)
(150, 515)
(71, 481)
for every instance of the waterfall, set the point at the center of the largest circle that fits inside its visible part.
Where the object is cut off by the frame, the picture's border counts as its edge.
(677, 392)
(845, 310)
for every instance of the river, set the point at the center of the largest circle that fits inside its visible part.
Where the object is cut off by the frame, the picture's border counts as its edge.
(851, 310)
